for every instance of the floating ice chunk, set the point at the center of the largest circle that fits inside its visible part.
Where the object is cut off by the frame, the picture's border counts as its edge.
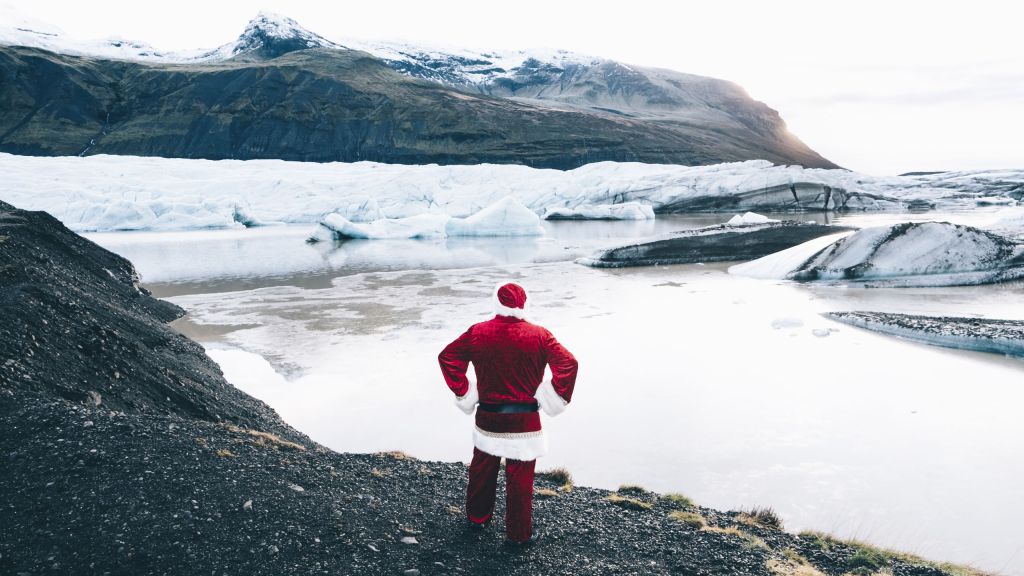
(625, 211)
(749, 218)
(419, 226)
(506, 217)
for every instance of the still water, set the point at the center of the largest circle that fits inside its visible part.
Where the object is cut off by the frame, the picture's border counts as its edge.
(732, 390)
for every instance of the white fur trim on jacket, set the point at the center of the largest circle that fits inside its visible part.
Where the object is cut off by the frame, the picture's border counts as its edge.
(550, 402)
(468, 402)
(517, 446)
(503, 310)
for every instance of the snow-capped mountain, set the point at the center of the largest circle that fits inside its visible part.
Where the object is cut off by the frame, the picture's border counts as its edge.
(580, 108)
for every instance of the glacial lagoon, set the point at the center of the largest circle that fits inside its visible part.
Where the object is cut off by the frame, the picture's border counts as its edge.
(735, 391)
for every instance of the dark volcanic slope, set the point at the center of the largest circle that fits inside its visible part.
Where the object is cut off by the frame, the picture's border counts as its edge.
(172, 471)
(328, 104)
(74, 324)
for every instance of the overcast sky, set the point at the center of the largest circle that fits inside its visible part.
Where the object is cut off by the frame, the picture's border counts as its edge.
(878, 86)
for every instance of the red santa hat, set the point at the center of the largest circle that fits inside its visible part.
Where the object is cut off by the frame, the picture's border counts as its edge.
(510, 300)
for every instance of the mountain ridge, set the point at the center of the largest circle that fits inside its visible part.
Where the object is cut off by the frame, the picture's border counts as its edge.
(563, 112)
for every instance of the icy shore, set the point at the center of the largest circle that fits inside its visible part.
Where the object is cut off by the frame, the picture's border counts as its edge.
(978, 334)
(99, 193)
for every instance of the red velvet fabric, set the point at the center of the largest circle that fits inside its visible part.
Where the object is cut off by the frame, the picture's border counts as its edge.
(482, 491)
(508, 356)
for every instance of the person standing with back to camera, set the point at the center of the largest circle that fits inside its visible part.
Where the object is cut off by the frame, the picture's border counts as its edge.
(509, 355)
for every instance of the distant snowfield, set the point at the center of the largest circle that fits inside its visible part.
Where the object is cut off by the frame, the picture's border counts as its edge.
(107, 193)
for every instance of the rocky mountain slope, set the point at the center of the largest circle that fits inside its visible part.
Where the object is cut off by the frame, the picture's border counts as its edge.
(281, 91)
(126, 452)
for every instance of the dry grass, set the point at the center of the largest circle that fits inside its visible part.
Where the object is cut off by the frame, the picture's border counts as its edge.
(690, 519)
(396, 454)
(790, 568)
(378, 473)
(868, 558)
(223, 453)
(545, 493)
(763, 517)
(266, 439)
(559, 476)
(628, 502)
(751, 540)
(632, 489)
(454, 510)
(678, 500)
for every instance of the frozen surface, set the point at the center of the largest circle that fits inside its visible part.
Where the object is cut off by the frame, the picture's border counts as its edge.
(914, 254)
(133, 193)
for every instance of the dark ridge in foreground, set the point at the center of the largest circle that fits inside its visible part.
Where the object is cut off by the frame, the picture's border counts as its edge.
(168, 469)
(978, 334)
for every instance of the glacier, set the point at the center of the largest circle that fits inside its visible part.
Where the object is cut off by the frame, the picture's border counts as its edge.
(901, 255)
(106, 193)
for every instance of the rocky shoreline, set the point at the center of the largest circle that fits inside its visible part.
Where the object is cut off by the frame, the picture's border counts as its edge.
(126, 452)
(978, 334)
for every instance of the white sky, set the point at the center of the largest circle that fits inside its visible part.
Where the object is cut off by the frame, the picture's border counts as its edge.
(881, 87)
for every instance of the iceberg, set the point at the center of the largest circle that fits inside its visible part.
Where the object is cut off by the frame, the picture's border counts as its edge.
(625, 211)
(103, 193)
(908, 254)
(749, 218)
(506, 217)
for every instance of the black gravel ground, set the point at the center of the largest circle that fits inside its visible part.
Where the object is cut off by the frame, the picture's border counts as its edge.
(168, 469)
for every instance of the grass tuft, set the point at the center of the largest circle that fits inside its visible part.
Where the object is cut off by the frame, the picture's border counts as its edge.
(545, 493)
(868, 559)
(558, 476)
(378, 473)
(628, 502)
(690, 519)
(751, 540)
(224, 453)
(396, 454)
(763, 517)
(678, 500)
(632, 489)
(266, 439)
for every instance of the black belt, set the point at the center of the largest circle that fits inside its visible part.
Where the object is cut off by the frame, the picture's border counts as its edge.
(508, 408)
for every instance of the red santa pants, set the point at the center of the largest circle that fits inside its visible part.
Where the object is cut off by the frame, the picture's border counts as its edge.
(483, 484)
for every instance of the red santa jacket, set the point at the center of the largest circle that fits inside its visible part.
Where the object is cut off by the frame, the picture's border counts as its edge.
(509, 355)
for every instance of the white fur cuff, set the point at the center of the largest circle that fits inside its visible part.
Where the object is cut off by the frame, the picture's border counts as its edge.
(522, 446)
(468, 402)
(550, 402)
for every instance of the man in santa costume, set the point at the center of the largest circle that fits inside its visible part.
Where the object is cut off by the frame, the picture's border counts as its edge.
(509, 355)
